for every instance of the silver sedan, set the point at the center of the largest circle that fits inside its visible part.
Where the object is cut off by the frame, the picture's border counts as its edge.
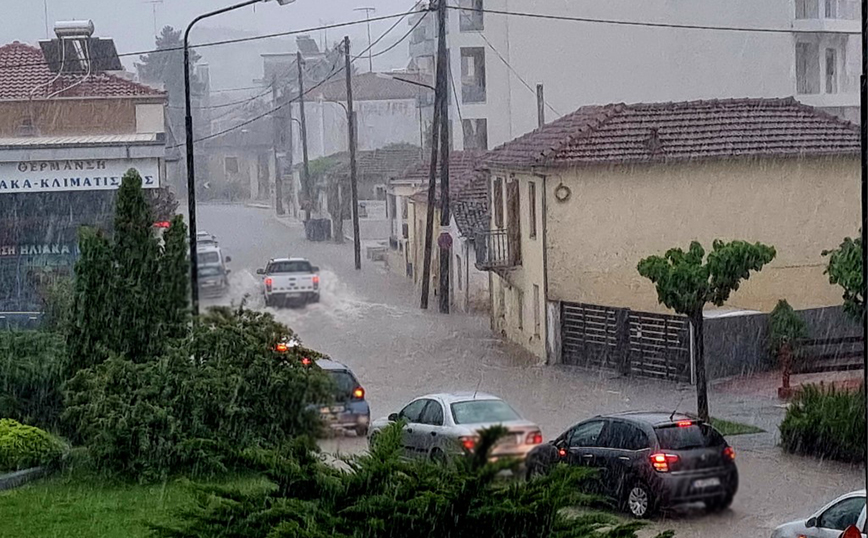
(440, 425)
(829, 521)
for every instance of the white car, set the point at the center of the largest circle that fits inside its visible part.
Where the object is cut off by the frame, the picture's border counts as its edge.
(830, 521)
(441, 425)
(289, 280)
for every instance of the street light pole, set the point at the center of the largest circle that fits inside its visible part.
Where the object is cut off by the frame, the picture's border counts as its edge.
(188, 130)
(863, 127)
(368, 11)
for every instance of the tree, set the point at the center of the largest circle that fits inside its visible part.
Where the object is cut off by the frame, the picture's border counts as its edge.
(786, 328)
(687, 281)
(845, 270)
(174, 275)
(166, 65)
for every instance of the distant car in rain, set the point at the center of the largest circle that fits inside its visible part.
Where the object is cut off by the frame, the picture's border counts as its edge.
(209, 255)
(213, 281)
(289, 280)
(647, 460)
(829, 521)
(350, 410)
(438, 426)
(206, 239)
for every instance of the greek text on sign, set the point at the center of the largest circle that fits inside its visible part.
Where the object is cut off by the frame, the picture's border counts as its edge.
(74, 175)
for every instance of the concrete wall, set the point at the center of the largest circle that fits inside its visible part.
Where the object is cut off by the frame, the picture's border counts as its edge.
(74, 116)
(617, 216)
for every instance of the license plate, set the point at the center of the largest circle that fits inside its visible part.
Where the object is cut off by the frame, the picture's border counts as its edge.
(706, 483)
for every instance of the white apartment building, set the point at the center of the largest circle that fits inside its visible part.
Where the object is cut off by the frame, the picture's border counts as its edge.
(497, 60)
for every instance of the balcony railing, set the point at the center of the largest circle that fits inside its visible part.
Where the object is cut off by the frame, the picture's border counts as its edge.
(493, 250)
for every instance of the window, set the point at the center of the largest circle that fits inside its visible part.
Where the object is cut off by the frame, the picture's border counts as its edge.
(473, 75)
(831, 71)
(623, 436)
(403, 203)
(807, 68)
(288, 267)
(230, 164)
(475, 134)
(483, 412)
(841, 515)
(471, 20)
(536, 311)
(807, 9)
(413, 411)
(831, 9)
(519, 308)
(344, 382)
(433, 414)
(531, 200)
(498, 202)
(513, 221)
(586, 435)
(458, 270)
(379, 192)
(682, 438)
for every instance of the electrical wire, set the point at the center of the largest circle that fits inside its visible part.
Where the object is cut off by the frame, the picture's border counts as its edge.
(405, 36)
(642, 23)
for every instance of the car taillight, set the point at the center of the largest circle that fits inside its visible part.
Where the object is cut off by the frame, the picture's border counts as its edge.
(359, 393)
(562, 452)
(315, 281)
(533, 438)
(661, 462)
(684, 423)
(469, 443)
(306, 361)
(268, 283)
(282, 347)
(729, 453)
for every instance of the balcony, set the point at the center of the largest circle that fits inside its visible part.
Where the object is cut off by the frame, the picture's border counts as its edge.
(493, 251)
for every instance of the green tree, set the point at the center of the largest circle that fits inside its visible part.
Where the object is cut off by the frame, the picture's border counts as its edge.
(786, 328)
(136, 297)
(845, 270)
(174, 275)
(687, 281)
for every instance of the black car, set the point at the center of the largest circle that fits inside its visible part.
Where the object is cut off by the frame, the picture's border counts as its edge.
(647, 460)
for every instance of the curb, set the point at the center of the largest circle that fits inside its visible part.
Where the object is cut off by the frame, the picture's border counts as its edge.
(257, 205)
(19, 478)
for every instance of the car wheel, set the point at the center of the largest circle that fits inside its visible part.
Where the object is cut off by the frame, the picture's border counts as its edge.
(268, 302)
(719, 504)
(373, 440)
(534, 470)
(361, 431)
(640, 501)
(437, 455)
(314, 298)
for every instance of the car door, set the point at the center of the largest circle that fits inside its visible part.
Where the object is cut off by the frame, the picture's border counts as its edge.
(411, 415)
(624, 445)
(429, 432)
(836, 518)
(584, 443)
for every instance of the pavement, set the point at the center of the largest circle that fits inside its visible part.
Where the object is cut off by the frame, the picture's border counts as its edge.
(370, 320)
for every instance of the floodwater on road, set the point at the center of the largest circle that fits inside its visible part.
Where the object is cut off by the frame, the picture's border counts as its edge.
(371, 321)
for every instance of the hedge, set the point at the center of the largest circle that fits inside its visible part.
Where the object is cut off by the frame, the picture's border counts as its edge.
(22, 447)
(826, 423)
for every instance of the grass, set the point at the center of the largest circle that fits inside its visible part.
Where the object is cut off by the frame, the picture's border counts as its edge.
(85, 506)
(728, 428)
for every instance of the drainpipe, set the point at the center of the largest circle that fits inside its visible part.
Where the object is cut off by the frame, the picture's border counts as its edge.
(550, 359)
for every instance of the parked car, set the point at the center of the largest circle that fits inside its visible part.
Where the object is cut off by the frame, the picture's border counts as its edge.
(211, 256)
(289, 280)
(438, 426)
(829, 521)
(647, 460)
(213, 281)
(206, 239)
(349, 411)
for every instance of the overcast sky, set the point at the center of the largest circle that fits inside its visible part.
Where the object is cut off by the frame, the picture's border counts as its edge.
(131, 22)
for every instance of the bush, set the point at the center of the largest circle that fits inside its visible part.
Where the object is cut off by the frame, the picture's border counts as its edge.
(383, 495)
(176, 415)
(22, 447)
(31, 373)
(826, 423)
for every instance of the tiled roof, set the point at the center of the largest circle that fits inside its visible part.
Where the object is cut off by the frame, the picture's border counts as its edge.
(379, 164)
(460, 164)
(23, 68)
(677, 132)
(371, 87)
(470, 217)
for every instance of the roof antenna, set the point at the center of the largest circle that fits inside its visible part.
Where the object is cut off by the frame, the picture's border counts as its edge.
(481, 376)
(676, 407)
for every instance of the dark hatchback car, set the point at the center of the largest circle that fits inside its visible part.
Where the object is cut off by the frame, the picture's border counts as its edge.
(350, 410)
(647, 461)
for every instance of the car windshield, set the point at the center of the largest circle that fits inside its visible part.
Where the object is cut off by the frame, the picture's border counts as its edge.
(209, 257)
(345, 383)
(676, 437)
(288, 267)
(482, 412)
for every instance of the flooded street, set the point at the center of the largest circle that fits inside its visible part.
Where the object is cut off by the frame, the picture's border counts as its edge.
(371, 321)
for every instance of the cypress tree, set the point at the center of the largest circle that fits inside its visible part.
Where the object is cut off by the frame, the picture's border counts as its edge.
(175, 280)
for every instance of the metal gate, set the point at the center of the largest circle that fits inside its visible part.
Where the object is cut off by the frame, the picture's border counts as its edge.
(642, 344)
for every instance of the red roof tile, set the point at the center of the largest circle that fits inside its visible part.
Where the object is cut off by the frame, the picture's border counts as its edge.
(676, 132)
(23, 68)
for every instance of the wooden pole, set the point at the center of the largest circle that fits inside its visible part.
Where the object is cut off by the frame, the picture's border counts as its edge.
(351, 120)
(305, 180)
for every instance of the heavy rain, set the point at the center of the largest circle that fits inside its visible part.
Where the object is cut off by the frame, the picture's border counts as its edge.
(411, 268)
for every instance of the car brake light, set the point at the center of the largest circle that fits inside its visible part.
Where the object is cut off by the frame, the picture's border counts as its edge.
(684, 423)
(315, 281)
(661, 462)
(282, 347)
(729, 453)
(359, 393)
(533, 438)
(268, 283)
(305, 361)
(162, 224)
(469, 443)
(562, 452)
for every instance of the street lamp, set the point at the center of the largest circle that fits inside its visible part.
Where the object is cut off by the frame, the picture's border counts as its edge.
(188, 126)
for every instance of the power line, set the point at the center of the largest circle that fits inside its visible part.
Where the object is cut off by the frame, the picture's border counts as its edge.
(644, 24)
(405, 36)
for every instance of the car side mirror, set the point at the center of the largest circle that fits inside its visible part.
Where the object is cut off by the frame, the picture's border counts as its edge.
(228, 271)
(393, 417)
(314, 269)
(811, 523)
(260, 271)
(228, 259)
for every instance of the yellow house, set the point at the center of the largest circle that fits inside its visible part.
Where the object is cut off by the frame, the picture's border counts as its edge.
(578, 202)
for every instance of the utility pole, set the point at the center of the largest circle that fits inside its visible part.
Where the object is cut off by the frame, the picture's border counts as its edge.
(445, 240)
(863, 113)
(279, 143)
(540, 106)
(305, 180)
(368, 11)
(351, 121)
(440, 104)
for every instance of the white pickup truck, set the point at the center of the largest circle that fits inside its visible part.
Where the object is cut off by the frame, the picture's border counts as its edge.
(289, 280)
